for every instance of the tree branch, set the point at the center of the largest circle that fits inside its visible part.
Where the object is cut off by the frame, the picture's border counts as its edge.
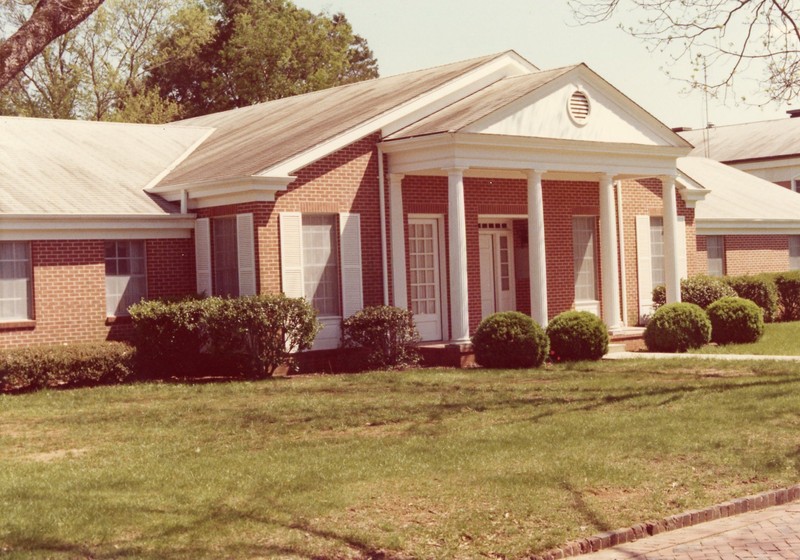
(50, 20)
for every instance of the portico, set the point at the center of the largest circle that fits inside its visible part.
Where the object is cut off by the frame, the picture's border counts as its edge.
(536, 165)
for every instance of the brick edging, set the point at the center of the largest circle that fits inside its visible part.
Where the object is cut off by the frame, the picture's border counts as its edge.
(686, 519)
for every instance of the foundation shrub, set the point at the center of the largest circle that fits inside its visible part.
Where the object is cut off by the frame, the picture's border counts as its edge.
(788, 284)
(192, 337)
(735, 320)
(577, 335)
(700, 290)
(168, 335)
(510, 340)
(66, 366)
(385, 336)
(760, 289)
(677, 327)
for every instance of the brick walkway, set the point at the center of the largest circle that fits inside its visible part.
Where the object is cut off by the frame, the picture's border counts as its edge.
(772, 533)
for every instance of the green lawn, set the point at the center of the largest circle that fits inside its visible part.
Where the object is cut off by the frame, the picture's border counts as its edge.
(780, 339)
(422, 464)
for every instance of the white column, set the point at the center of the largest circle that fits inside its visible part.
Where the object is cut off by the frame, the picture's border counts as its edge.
(536, 248)
(398, 232)
(457, 235)
(609, 255)
(671, 240)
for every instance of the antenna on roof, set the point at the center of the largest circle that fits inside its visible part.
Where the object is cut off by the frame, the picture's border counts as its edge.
(708, 125)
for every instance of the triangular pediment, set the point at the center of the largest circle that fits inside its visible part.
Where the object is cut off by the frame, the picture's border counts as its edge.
(577, 105)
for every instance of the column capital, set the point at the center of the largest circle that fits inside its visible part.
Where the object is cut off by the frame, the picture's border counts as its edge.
(396, 178)
(534, 173)
(607, 178)
(454, 170)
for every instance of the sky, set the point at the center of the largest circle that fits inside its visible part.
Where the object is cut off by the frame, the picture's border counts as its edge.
(407, 35)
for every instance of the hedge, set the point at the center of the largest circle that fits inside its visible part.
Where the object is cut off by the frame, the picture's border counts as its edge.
(66, 366)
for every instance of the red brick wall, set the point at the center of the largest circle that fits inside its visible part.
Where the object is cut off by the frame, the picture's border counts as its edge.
(643, 198)
(346, 181)
(69, 289)
(751, 254)
(562, 200)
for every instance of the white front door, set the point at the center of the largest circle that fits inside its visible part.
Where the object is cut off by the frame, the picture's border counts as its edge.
(497, 272)
(423, 257)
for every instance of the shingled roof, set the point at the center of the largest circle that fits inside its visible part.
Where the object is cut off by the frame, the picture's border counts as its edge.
(252, 139)
(70, 167)
(746, 142)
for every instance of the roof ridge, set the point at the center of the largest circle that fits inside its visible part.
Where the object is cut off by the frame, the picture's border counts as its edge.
(340, 87)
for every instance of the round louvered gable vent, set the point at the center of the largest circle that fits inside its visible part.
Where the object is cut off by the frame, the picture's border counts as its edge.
(579, 107)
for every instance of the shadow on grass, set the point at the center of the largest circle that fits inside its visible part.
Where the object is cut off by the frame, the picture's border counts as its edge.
(166, 542)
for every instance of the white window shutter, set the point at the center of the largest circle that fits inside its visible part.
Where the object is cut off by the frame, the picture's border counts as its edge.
(350, 241)
(202, 255)
(683, 269)
(245, 242)
(291, 226)
(644, 266)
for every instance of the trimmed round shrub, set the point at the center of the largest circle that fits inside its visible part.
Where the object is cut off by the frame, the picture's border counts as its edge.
(386, 335)
(510, 340)
(788, 284)
(735, 320)
(677, 327)
(577, 335)
(700, 290)
(760, 289)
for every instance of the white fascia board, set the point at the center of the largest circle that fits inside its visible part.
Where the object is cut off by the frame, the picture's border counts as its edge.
(690, 190)
(747, 227)
(506, 65)
(775, 163)
(181, 158)
(422, 155)
(216, 192)
(24, 227)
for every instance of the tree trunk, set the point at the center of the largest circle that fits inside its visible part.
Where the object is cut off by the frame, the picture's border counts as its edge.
(50, 20)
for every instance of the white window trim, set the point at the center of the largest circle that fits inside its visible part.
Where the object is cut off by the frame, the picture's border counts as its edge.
(129, 276)
(28, 288)
(350, 270)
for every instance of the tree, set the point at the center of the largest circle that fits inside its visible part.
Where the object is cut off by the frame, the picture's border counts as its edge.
(722, 39)
(265, 49)
(50, 19)
(98, 71)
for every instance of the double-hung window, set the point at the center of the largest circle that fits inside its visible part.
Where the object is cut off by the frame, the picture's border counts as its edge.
(126, 276)
(657, 251)
(583, 256)
(226, 267)
(321, 264)
(15, 281)
(794, 252)
(715, 251)
(321, 261)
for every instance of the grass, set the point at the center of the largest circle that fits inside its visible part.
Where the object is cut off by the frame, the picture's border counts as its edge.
(421, 464)
(780, 339)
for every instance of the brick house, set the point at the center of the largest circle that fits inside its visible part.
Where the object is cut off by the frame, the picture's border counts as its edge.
(456, 191)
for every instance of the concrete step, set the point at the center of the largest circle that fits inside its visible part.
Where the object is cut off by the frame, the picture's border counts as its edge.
(616, 347)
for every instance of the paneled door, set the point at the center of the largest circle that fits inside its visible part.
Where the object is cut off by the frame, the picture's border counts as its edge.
(423, 263)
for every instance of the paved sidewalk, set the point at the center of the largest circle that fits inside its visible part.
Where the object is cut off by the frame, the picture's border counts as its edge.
(659, 356)
(771, 533)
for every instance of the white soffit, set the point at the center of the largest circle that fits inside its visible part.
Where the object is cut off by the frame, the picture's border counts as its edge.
(29, 227)
(545, 113)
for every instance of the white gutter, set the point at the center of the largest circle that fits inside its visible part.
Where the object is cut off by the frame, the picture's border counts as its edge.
(384, 252)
